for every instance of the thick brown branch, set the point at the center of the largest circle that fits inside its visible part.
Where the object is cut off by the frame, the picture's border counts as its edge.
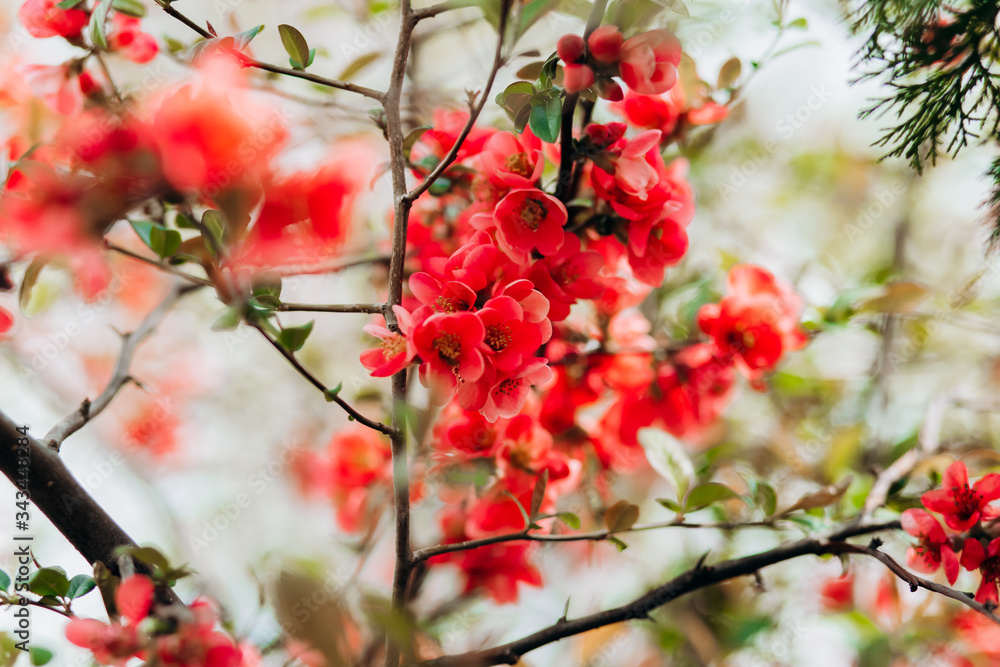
(304, 372)
(267, 67)
(692, 580)
(120, 375)
(69, 507)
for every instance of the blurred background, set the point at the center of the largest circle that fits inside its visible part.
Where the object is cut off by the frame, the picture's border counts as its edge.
(789, 181)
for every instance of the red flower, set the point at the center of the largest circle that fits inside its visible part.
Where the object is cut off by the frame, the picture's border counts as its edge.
(527, 447)
(567, 276)
(509, 338)
(508, 395)
(449, 347)
(42, 18)
(511, 161)
(360, 463)
(987, 561)
(961, 505)
(128, 39)
(605, 44)
(837, 593)
(570, 48)
(756, 322)
(577, 77)
(649, 62)
(116, 643)
(6, 321)
(934, 547)
(530, 219)
(396, 351)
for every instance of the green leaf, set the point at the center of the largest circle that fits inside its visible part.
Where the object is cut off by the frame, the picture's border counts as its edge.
(80, 585)
(358, 64)
(670, 505)
(708, 494)
(412, 138)
(164, 242)
(545, 119)
(570, 519)
(729, 73)
(533, 11)
(538, 493)
(531, 71)
(39, 655)
(144, 228)
(4, 581)
(98, 20)
(331, 394)
(242, 39)
(129, 8)
(621, 516)
(621, 546)
(668, 457)
(767, 498)
(213, 223)
(49, 581)
(799, 24)
(293, 338)
(228, 321)
(296, 46)
(31, 275)
(68, 4)
(147, 555)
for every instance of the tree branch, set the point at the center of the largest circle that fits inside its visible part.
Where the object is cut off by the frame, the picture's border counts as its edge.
(120, 375)
(374, 308)
(162, 266)
(287, 71)
(60, 497)
(474, 111)
(699, 577)
(593, 536)
(304, 372)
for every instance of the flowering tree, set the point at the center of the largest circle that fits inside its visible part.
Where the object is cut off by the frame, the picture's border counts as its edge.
(552, 366)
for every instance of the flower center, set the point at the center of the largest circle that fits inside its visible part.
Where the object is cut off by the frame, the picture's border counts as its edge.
(498, 337)
(509, 386)
(393, 345)
(448, 347)
(990, 568)
(444, 304)
(969, 501)
(533, 211)
(518, 164)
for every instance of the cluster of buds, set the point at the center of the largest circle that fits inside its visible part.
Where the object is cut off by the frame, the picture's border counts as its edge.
(647, 63)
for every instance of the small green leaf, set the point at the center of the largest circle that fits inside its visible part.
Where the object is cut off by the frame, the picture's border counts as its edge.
(213, 223)
(31, 275)
(296, 46)
(144, 228)
(545, 119)
(570, 519)
(358, 64)
(729, 73)
(80, 585)
(767, 498)
(164, 242)
(667, 456)
(671, 505)
(68, 4)
(293, 338)
(228, 321)
(147, 555)
(39, 655)
(331, 394)
(707, 494)
(98, 20)
(49, 581)
(538, 493)
(129, 8)
(621, 546)
(799, 24)
(412, 138)
(241, 40)
(621, 516)
(520, 507)
(4, 581)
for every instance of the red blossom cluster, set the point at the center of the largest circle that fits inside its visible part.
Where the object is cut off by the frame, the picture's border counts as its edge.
(193, 642)
(647, 63)
(965, 509)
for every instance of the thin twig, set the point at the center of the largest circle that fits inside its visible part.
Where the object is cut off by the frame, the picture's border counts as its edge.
(595, 536)
(304, 372)
(434, 10)
(120, 376)
(287, 71)
(162, 266)
(374, 308)
(474, 111)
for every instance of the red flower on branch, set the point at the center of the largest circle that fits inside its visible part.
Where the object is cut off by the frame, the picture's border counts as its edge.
(987, 561)
(963, 506)
(529, 219)
(512, 161)
(449, 346)
(649, 62)
(396, 351)
(934, 548)
(42, 18)
(117, 643)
